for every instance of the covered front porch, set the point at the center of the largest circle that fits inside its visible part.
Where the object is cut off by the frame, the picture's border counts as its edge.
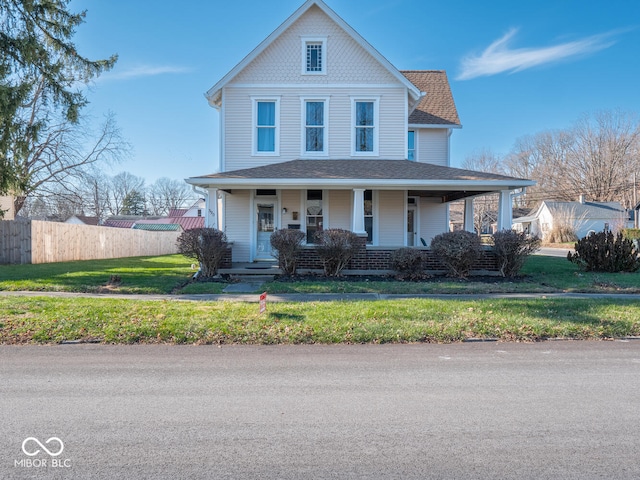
(389, 203)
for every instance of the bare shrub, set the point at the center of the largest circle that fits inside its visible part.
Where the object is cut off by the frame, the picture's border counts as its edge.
(206, 245)
(335, 248)
(511, 249)
(457, 251)
(409, 263)
(287, 244)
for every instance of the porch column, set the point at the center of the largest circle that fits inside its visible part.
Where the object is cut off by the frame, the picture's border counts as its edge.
(505, 211)
(468, 215)
(211, 217)
(357, 224)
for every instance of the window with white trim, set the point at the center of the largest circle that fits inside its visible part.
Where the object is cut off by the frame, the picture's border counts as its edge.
(315, 128)
(266, 114)
(411, 147)
(314, 56)
(365, 127)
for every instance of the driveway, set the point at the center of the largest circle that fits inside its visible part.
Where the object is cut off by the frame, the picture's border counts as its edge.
(463, 411)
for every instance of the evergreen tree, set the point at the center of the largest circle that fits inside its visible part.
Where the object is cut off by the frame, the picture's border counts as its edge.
(37, 60)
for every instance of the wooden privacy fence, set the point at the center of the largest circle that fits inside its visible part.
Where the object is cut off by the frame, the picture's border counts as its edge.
(33, 241)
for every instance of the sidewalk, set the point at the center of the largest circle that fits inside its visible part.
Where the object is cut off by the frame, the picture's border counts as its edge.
(315, 297)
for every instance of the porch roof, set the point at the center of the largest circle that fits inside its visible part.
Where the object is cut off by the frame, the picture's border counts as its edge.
(423, 179)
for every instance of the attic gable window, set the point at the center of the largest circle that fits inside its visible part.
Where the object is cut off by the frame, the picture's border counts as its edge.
(314, 56)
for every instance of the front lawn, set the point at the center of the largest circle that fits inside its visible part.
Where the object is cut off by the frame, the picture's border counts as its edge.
(54, 320)
(136, 275)
(172, 274)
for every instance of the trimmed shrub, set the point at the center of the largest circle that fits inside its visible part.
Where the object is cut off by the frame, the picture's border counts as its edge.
(409, 263)
(457, 251)
(511, 249)
(206, 245)
(336, 247)
(287, 243)
(606, 252)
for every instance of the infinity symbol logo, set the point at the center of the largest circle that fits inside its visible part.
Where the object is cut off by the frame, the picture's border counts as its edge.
(33, 439)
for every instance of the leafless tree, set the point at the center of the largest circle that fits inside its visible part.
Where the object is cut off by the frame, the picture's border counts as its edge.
(58, 148)
(165, 194)
(596, 157)
(121, 185)
(485, 207)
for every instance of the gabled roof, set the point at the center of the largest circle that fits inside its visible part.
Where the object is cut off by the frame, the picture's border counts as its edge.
(585, 211)
(177, 212)
(213, 94)
(437, 106)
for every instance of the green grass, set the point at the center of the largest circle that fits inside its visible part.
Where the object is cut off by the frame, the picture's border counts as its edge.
(171, 274)
(54, 320)
(138, 275)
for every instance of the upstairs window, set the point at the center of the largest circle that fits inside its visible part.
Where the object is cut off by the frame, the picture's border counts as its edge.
(265, 132)
(314, 128)
(314, 56)
(411, 147)
(365, 127)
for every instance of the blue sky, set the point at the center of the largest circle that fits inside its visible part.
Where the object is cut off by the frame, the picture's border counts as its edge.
(515, 68)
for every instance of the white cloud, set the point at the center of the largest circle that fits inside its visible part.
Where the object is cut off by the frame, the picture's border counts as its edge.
(498, 57)
(142, 71)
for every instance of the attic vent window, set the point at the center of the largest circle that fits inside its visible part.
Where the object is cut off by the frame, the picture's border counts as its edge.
(313, 56)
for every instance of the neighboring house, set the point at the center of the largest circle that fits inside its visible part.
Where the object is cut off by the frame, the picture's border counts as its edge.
(6, 205)
(185, 218)
(582, 216)
(82, 220)
(319, 130)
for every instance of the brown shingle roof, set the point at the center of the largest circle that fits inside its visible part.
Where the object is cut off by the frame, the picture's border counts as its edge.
(358, 169)
(437, 106)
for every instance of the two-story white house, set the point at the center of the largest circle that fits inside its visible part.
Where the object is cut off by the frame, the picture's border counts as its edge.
(318, 130)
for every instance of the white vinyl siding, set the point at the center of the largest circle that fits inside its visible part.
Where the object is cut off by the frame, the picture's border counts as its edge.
(341, 209)
(238, 122)
(391, 217)
(290, 199)
(238, 229)
(345, 61)
(433, 146)
(433, 219)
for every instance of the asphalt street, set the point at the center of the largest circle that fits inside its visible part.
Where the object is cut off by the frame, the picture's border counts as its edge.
(567, 410)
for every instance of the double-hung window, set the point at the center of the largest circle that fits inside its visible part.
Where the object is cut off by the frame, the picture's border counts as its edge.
(314, 141)
(365, 127)
(266, 122)
(368, 215)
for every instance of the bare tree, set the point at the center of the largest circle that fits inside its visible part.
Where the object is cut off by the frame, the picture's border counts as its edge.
(596, 157)
(485, 207)
(165, 194)
(122, 185)
(58, 148)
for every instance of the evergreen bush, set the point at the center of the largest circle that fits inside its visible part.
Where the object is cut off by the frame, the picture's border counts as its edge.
(606, 252)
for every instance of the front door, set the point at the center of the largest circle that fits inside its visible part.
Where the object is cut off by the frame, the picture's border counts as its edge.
(265, 226)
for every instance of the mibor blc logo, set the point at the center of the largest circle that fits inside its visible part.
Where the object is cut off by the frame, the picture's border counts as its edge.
(52, 447)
